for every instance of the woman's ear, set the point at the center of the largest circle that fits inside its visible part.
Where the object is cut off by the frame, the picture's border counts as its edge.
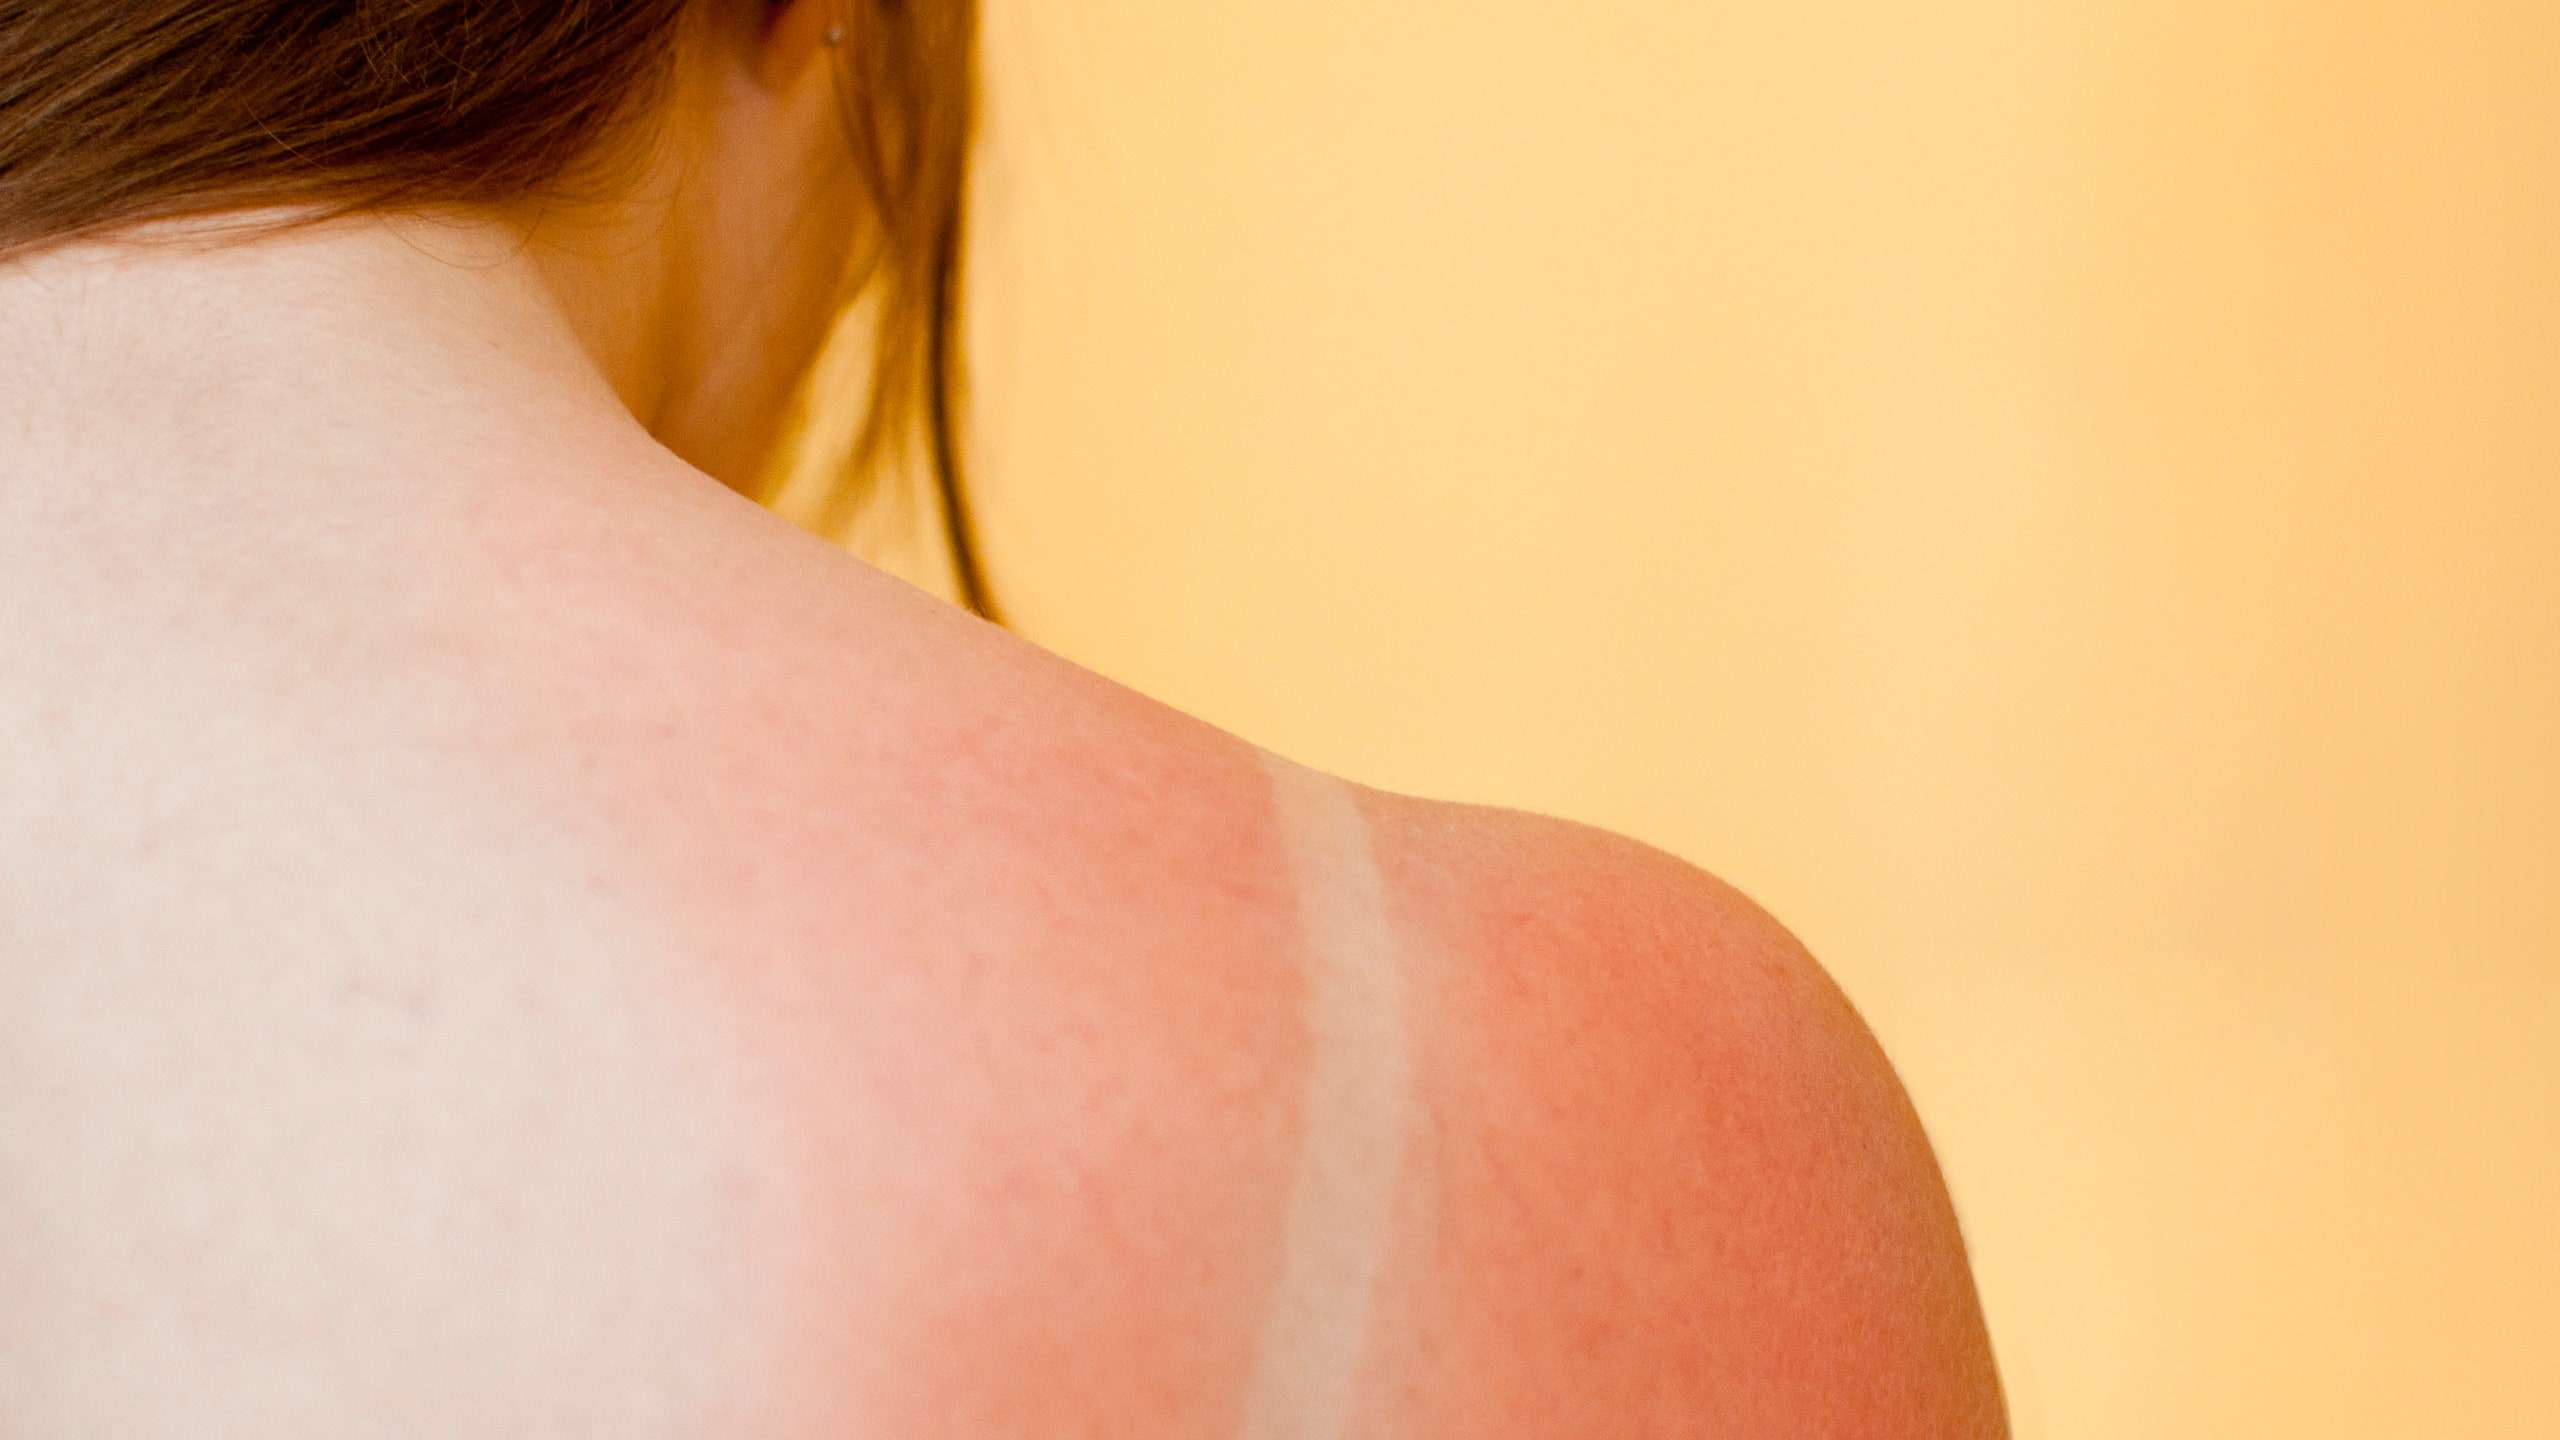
(795, 35)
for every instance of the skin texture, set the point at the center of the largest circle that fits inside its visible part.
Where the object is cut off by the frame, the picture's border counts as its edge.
(502, 936)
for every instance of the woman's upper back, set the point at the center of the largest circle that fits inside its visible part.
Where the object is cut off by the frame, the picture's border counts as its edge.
(502, 936)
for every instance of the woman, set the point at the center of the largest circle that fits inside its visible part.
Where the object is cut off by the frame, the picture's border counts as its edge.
(503, 936)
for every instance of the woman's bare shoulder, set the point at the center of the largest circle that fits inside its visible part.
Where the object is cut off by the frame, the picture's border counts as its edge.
(1652, 1166)
(1684, 1186)
(1646, 1164)
(667, 928)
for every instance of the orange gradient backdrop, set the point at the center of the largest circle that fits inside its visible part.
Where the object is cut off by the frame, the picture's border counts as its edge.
(2062, 502)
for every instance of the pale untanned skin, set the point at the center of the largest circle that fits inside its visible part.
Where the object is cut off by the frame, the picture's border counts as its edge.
(501, 936)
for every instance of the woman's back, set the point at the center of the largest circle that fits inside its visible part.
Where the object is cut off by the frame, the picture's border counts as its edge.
(499, 935)
(502, 935)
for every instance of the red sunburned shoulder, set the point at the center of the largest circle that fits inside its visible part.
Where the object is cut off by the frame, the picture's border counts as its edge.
(1676, 1187)
(1066, 1033)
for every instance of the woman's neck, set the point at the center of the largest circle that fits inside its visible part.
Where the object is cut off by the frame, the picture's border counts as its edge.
(208, 355)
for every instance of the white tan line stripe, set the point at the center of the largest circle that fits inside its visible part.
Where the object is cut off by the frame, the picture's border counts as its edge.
(1358, 1103)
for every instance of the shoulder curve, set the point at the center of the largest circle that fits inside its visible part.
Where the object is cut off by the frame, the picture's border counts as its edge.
(1510, 888)
(1670, 1180)
(1671, 1130)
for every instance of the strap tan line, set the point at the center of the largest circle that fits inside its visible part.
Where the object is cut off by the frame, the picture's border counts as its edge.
(1359, 1103)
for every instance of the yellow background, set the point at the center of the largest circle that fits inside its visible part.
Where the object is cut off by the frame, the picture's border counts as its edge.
(2060, 501)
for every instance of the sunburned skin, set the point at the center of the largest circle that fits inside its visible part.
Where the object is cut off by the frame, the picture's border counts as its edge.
(1031, 1008)
(1136, 1083)
(500, 936)
(771, 1003)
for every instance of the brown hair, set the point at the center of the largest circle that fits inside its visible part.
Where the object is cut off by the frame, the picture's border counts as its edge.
(115, 113)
